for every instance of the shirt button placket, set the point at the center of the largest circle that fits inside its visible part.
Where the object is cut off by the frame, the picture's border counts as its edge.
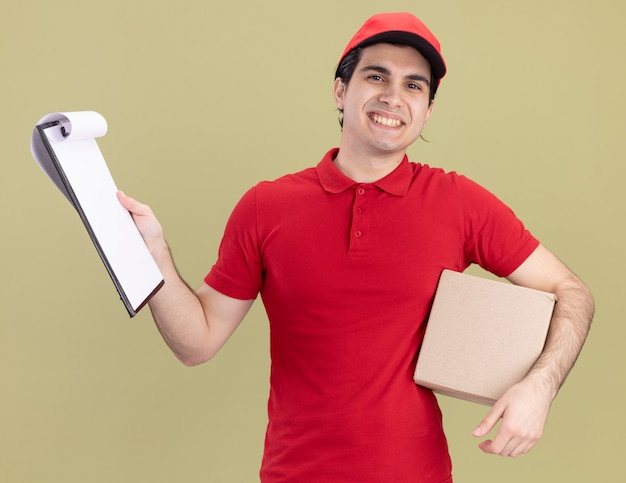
(359, 221)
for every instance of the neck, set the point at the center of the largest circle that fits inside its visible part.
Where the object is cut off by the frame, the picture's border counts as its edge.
(364, 168)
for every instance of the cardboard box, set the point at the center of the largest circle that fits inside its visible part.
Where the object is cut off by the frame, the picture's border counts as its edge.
(482, 336)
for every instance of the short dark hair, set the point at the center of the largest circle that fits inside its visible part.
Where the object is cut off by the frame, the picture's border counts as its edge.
(346, 69)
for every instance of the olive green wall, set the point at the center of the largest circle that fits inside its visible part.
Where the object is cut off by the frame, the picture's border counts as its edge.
(203, 99)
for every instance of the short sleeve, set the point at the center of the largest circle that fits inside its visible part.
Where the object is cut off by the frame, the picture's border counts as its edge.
(496, 239)
(238, 271)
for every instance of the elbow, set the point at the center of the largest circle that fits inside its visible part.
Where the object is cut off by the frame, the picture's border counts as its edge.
(579, 302)
(589, 297)
(591, 304)
(586, 298)
(193, 360)
(189, 362)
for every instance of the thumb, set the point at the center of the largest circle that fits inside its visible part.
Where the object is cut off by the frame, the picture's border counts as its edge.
(125, 200)
(489, 422)
(132, 204)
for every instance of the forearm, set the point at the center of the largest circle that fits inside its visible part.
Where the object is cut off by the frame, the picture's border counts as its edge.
(178, 313)
(568, 330)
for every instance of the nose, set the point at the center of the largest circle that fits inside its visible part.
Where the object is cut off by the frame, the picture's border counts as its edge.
(391, 95)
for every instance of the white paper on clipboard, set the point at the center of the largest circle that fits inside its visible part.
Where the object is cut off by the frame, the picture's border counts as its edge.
(64, 145)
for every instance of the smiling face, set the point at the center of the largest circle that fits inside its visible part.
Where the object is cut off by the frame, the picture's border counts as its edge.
(386, 103)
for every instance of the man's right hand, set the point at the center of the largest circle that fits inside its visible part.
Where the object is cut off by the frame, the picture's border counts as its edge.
(146, 222)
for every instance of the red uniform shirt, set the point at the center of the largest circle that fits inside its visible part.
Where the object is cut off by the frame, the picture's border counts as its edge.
(347, 272)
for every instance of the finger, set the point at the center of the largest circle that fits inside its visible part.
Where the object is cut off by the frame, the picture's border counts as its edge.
(485, 446)
(513, 448)
(504, 445)
(528, 447)
(497, 448)
(517, 448)
(494, 446)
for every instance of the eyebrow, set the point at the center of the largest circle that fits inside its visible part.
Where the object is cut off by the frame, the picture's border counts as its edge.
(383, 70)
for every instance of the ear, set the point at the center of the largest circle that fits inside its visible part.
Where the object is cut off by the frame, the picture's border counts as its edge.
(430, 110)
(339, 89)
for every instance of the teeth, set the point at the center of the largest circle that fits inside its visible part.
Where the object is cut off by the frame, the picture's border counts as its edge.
(386, 121)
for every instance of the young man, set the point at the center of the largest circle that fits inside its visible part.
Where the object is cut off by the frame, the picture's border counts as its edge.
(346, 257)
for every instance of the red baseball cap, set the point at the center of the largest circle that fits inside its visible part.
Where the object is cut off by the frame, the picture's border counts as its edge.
(401, 28)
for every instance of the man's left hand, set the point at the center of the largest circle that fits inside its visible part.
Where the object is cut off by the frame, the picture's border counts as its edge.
(523, 410)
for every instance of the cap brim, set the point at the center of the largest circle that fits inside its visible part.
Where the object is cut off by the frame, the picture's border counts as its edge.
(406, 38)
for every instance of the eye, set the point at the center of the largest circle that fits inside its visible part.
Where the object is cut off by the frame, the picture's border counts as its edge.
(417, 87)
(375, 77)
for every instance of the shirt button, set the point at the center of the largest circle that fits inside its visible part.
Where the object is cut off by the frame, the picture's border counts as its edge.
(361, 191)
(359, 210)
(358, 234)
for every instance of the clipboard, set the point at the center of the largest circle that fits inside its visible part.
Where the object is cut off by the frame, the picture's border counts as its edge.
(64, 146)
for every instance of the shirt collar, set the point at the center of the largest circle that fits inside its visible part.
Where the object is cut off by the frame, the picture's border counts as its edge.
(334, 181)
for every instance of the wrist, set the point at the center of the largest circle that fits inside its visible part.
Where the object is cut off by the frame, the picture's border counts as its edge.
(160, 251)
(543, 382)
